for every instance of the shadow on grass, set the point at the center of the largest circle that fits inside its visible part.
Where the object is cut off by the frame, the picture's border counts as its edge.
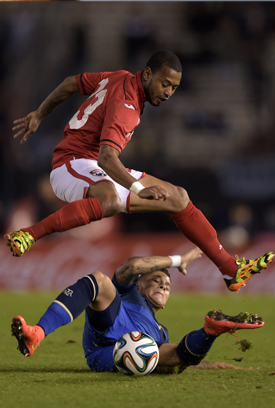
(60, 375)
(46, 370)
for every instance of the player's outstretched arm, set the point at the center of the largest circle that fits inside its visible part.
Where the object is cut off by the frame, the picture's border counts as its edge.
(216, 365)
(29, 124)
(135, 266)
(189, 257)
(169, 362)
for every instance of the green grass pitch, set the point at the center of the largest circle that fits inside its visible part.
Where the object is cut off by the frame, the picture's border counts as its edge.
(57, 375)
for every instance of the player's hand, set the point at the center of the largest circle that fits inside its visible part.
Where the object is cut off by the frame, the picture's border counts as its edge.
(189, 257)
(153, 193)
(28, 125)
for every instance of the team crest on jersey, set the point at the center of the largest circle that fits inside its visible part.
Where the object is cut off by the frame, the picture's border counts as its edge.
(68, 292)
(98, 172)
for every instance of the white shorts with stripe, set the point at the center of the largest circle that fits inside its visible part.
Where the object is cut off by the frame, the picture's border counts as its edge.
(71, 181)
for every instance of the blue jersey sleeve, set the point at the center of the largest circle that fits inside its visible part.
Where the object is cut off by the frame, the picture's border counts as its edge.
(131, 294)
(124, 289)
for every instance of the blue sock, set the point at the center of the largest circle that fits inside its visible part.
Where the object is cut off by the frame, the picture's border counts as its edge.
(194, 347)
(69, 304)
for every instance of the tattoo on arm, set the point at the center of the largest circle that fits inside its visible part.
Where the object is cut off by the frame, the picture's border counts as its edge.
(128, 272)
(151, 264)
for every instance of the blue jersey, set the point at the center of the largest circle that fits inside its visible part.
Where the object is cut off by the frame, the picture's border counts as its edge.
(135, 313)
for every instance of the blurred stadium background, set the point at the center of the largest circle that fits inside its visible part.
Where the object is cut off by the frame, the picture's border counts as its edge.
(215, 137)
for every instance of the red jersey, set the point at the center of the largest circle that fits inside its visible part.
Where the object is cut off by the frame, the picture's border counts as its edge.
(108, 117)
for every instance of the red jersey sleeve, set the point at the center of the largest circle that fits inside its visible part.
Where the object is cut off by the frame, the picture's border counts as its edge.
(88, 82)
(120, 122)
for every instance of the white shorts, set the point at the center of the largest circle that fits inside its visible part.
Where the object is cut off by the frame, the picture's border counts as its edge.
(71, 181)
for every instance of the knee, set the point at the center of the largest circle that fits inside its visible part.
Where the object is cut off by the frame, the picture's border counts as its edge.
(179, 198)
(102, 280)
(111, 205)
(108, 197)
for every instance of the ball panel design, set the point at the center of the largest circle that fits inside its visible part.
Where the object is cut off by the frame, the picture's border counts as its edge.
(136, 353)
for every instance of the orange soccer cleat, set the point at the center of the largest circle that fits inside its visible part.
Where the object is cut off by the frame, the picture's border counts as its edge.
(216, 322)
(28, 337)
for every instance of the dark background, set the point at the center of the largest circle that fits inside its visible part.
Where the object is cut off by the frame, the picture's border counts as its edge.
(215, 137)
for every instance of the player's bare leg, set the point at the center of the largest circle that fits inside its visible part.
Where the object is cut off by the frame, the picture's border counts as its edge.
(106, 292)
(177, 201)
(108, 197)
(192, 223)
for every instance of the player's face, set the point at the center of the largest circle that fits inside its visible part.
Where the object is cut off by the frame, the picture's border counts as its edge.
(156, 287)
(161, 85)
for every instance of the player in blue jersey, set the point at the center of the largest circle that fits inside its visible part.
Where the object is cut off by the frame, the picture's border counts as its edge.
(140, 287)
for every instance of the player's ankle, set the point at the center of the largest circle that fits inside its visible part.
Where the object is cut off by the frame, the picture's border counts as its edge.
(39, 332)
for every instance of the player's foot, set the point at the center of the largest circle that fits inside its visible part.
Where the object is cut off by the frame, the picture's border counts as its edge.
(216, 322)
(28, 337)
(247, 269)
(19, 242)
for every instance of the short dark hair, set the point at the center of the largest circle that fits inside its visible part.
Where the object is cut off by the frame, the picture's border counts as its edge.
(164, 58)
(166, 272)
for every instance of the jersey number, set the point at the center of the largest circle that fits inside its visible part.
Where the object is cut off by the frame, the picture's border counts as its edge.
(100, 95)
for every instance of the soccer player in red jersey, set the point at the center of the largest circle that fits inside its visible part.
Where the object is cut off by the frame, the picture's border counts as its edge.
(88, 174)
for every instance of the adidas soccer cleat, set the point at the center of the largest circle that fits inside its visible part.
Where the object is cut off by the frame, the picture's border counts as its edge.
(19, 242)
(247, 269)
(216, 322)
(28, 337)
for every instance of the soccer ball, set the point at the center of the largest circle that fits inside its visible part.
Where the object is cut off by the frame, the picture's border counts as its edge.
(136, 353)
